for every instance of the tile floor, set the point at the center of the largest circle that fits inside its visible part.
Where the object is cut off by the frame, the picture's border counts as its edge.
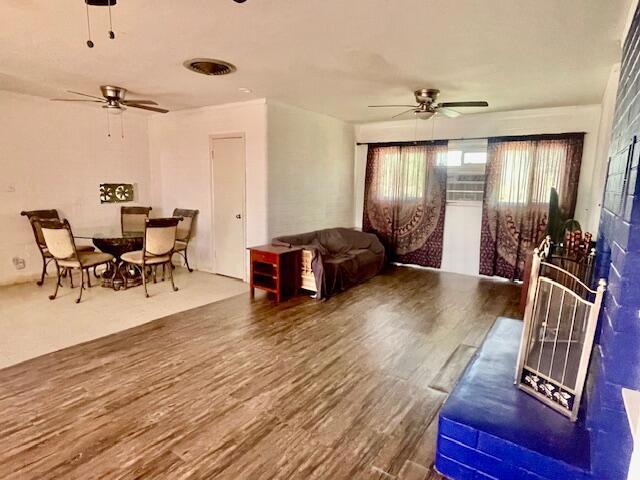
(32, 325)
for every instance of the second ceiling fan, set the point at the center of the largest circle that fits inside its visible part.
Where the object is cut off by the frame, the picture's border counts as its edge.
(114, 100)
(428, 105)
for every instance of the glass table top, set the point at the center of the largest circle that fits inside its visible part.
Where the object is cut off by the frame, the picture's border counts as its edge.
(91, 233)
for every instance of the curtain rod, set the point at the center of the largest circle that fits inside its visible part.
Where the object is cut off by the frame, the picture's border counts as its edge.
(415, 142)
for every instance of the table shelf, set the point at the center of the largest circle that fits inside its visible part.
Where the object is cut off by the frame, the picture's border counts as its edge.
(276, 270)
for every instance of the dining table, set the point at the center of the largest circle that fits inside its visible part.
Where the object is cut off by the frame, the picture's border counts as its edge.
(113, 240)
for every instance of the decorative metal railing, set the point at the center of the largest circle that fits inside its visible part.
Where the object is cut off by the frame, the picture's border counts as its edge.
(559, 327)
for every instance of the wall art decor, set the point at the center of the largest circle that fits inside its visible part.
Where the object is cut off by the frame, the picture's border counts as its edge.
(116, 192)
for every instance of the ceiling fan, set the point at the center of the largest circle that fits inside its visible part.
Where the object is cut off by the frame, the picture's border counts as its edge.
(428, 105)
(114, 100)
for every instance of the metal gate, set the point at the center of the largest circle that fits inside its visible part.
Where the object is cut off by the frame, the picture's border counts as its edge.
(559, 327)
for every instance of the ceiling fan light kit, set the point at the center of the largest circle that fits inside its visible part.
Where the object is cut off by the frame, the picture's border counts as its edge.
(99, 3)
(114, 109)
(428, 106)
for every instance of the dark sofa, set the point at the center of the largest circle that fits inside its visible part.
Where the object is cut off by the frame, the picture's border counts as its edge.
(342, 257)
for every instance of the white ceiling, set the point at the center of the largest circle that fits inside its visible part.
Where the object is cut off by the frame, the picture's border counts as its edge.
(329, 56)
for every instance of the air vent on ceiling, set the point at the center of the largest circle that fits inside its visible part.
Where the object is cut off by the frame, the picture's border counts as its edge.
(209, 66)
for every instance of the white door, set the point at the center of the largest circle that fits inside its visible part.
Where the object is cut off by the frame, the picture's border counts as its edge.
(227, 155)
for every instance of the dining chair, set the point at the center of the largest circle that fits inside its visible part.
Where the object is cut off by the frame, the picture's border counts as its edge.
(132, 218)
(157, 248)
(61, 246)
(185, 231)
(52, 214)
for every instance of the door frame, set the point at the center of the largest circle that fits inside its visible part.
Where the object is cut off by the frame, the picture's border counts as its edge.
(212, 139)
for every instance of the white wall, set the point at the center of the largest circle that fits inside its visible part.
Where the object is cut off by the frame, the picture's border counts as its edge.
(55, 155)
(526, 122)
(310, 170)
(181, 168)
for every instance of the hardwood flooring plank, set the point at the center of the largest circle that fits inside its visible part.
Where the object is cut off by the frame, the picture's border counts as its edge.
(414, 471)
(247, 389)
(448, 375)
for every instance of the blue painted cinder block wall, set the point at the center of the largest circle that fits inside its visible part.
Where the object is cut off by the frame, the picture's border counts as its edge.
(616, 360)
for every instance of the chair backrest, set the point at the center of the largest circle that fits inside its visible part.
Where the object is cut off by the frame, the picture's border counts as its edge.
(33, 215)
(160, 236)
(58, 238)
(185, 227)
(133, 219)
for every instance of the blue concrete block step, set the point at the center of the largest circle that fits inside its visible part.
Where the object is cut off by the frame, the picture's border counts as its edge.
(488, 429)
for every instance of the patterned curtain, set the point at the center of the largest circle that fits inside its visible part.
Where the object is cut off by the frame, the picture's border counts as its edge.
(519, 175)
(405, 196)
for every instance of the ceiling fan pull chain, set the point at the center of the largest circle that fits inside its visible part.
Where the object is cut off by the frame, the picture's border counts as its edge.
(122, 126)
(89, 42)
(112, 35)
(108, 125)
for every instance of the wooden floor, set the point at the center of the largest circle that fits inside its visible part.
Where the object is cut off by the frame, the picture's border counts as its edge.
(240, 389)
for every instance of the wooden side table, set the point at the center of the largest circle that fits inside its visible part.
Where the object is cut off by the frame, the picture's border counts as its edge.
(275, 269)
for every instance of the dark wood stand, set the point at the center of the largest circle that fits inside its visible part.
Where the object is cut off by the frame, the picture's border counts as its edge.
(276, 269)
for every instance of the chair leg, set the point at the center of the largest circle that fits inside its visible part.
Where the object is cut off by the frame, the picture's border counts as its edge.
(144, 280)
(186, 261)
(70, 276)
(55, 293)
(44, 272)
(81, 285)
(119, 268)
(88, 279)
(154, 269)
(173, 285)
(95, 272)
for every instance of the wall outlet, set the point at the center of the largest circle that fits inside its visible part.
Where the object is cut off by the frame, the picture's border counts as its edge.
(19, 263)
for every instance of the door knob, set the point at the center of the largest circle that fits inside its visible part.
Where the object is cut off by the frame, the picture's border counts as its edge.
(238, 216)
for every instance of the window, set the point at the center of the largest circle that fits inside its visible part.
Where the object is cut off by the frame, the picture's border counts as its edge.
(412, 168)
(528, 173)
(514, 175)
(465, 162)
(475, 158)
(404, 169)
(453, 158)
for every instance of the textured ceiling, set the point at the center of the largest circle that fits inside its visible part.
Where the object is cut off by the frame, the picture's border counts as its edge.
(329, 56)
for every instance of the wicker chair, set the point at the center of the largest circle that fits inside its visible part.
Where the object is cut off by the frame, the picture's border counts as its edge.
(185, 231)
(132, 219)
(32, 216)
(60, 244)
(158, 248)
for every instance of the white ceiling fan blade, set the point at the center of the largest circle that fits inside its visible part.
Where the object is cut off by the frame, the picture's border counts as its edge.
(448, 112)
(140, 102)
(75, 100)
(404, 113)
(86, 95)
(392, 106)
(145, 107)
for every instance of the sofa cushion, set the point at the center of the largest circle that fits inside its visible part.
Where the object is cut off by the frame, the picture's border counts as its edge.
(363, 256)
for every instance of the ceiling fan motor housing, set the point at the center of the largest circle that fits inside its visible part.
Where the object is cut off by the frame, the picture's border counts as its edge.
(427, 95)
(101, 3)
(113, 93)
